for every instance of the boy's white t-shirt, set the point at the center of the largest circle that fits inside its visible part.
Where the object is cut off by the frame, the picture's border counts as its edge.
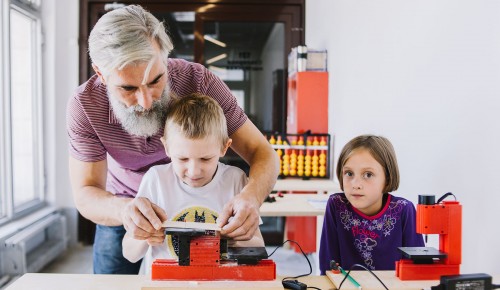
(182, 202)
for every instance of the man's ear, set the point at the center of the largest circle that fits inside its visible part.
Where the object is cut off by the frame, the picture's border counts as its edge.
(99, 73)
(224, 150)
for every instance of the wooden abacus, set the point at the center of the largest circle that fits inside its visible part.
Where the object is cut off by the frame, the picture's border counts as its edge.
(302, 155)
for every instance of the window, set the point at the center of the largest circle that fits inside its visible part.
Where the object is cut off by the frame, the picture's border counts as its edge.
(21, 151)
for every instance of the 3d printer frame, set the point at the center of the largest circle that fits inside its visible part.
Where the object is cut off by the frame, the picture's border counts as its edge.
(203, 255)
(426, 263)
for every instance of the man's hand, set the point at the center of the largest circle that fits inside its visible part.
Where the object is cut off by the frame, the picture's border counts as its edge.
(240, 217)
(143, 220)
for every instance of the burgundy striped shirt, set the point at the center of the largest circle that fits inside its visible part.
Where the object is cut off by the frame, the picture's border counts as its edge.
(96, 134)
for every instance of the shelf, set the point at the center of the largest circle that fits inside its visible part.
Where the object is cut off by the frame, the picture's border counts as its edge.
(300, 147)
(318, 185)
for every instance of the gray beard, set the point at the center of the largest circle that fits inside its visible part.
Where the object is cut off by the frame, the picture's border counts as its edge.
(139, 122)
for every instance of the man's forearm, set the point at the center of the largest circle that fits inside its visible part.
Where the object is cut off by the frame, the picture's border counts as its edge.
(264, 170)
(100, 206)
(250, 144)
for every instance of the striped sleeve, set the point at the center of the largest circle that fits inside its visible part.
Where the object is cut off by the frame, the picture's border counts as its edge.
(84, 143)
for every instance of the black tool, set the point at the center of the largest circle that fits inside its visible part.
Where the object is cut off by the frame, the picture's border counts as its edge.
(294, 284)
(479, 281)
(247, 255)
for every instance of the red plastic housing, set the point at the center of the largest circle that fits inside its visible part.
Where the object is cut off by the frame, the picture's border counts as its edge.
(265, 270)
(205, 264)
(444, 219)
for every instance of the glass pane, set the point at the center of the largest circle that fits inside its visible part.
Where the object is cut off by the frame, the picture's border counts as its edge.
(180, 28)
(246, 55)
(22, 90)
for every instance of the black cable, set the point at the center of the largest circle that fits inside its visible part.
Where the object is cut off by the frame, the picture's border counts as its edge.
(305, 256)
(445, 196)
(359, 265)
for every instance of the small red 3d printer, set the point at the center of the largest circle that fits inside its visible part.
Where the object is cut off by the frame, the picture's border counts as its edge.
(426, 263)
(203, 255)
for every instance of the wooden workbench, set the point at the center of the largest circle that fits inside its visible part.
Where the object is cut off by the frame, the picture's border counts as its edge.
(302, 204)
(369, 282)
(39, 281)
(295, 205)
(318, 185)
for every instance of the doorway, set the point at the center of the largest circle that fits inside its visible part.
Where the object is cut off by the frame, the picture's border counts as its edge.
(244, 42)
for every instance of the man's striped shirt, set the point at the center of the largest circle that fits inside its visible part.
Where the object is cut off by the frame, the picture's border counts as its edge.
(96, 134)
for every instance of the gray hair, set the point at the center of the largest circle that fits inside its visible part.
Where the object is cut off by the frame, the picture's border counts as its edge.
(125, 36)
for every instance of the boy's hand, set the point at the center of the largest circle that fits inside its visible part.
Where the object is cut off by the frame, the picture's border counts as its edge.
(240, 217)
(143, 220)
(158, 239)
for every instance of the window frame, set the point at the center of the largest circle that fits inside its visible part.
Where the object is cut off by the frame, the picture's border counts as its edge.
(8, 211)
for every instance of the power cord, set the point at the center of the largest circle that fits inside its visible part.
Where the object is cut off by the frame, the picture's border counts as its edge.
(292, 282)
(361, 266)
(445, 196)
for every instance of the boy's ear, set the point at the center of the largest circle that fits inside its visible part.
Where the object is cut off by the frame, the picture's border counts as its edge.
(224, 150)
(99, 73)
(164, 142)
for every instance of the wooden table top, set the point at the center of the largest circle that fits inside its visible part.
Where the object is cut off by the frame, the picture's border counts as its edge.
(42, 281)
(37, 281)
(295, 205)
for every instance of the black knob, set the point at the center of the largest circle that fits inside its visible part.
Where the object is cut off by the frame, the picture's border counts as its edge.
(426, 199)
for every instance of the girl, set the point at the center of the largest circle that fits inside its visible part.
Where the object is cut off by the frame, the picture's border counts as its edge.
(366, 224)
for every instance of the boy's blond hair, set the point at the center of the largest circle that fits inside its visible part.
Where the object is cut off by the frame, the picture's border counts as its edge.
(196, 116)
(380, 149)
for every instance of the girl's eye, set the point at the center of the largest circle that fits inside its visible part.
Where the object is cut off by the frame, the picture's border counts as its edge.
(368, 174)
(348, 173)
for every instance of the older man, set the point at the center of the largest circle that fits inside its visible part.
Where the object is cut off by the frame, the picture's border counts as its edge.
(115, 122)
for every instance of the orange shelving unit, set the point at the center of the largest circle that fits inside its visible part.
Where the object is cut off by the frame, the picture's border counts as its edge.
(307, 111)
(307, 102)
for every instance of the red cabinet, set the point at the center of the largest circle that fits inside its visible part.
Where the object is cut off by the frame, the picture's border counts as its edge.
(307, 102)
(307, 110)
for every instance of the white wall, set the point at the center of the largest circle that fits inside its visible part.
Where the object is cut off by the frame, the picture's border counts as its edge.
(425, 74)
(60, 79)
